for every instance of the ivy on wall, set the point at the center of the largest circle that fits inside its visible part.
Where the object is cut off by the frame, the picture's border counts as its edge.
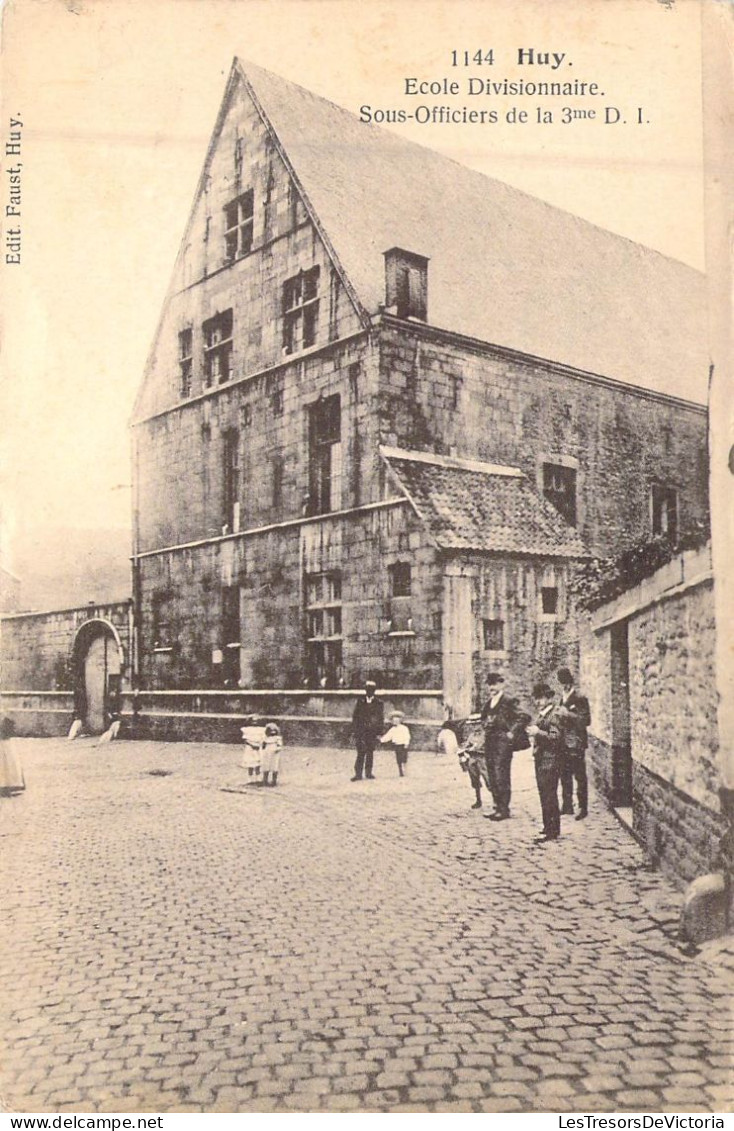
(599, 580)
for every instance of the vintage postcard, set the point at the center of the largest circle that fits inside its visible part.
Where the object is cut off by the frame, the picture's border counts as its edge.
(364, 685)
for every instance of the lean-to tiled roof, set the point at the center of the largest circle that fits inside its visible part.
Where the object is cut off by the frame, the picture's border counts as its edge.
(504, 267)
(467, 505)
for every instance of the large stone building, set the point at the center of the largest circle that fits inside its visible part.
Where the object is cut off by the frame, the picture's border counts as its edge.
(389, 403)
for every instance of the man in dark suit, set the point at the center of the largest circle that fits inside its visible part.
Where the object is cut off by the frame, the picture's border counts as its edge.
(368, 723)
(574, 717)
(545, 735)
(504, 727)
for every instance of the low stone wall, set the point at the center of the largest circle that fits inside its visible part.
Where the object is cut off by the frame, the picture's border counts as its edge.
(306, 718)
(664, 759)
(38, 714)
(680, 836)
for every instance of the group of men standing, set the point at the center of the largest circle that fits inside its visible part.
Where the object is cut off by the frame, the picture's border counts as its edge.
(558, 738)
(557, 735)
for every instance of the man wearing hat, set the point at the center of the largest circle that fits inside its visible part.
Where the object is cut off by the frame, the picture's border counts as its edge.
(504, 727)
(368, 723)
(575, 717)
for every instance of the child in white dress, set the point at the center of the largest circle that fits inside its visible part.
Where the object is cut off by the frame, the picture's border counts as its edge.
(271, 748)
(253, 736)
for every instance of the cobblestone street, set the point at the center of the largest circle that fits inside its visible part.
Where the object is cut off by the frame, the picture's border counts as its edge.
(173, 941)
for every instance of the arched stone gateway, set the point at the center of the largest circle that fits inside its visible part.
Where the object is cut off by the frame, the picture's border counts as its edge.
(97, 659)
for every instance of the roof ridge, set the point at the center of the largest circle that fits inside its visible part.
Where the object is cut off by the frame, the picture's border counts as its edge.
(379, 131)
(455, 463)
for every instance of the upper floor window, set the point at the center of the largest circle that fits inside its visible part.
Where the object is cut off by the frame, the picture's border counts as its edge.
(559, 488)
(218, 349)
(400, 579)
(401, 586)
(406, 283)
(664, 506)
(231, 515)
(238, 226)
(186, 360)
(300, 310)
(324, 455)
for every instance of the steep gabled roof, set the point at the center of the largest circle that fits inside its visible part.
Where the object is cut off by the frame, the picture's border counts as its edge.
(504, 268)
(468, 505)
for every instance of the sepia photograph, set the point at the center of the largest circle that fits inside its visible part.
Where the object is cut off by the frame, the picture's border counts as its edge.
(366, 677)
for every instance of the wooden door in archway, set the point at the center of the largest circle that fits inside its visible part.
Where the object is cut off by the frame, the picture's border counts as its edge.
(95, 683)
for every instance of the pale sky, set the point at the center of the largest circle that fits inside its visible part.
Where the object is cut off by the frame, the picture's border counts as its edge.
(118, 99)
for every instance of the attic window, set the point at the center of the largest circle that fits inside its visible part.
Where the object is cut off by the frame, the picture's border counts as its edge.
(406, 284)
(559, 488)
(238, 226)
(300, 310)
(217, 348)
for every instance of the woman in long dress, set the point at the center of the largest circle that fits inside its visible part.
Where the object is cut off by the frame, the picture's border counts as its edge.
(11, 774)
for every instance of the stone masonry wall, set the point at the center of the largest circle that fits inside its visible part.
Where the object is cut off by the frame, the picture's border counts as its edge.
(270, 568)
(445, 396)
(673, 746)
(179, 453)
(36, 648)
(508, 589)
(673, 698)
(680, 835)
(206, 282)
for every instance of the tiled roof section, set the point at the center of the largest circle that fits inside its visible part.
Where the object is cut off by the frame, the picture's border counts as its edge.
(505, 268)
(481, 507)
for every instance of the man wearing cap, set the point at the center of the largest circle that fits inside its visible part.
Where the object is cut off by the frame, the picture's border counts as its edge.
(368, 723)
(504, 725)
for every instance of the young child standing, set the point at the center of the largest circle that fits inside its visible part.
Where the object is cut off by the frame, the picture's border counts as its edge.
(271, 748)
(398, 737)
(253, 736)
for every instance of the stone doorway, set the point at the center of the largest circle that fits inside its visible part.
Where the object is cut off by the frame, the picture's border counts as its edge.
(97, 663)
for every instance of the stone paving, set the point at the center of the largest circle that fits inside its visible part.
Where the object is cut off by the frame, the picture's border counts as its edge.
(174, 941)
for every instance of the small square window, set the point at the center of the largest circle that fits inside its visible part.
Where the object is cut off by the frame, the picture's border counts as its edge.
(549, 600)
(494, 635)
